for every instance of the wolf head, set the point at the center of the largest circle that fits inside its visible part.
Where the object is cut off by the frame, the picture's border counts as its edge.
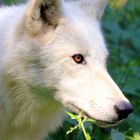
(72, 54)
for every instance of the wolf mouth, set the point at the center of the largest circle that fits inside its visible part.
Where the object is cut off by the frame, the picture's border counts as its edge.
(100, 123)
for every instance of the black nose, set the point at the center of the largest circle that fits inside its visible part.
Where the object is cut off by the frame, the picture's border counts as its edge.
(123, 109)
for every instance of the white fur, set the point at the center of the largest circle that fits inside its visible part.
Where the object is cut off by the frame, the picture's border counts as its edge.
(39, 78)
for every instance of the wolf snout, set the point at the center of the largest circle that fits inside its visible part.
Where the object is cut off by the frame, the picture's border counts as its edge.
(123, 109)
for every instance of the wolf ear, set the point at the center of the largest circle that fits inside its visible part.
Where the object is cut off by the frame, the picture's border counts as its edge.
(40, 13)
(93, 8)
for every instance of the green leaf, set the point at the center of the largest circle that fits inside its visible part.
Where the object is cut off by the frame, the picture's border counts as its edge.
(136, 136)
(88, 136)
(116, 135)
(72, 116)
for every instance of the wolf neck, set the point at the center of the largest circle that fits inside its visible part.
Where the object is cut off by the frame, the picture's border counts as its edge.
(33, 107)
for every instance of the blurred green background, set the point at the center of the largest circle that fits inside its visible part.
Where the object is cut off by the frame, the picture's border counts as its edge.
(121, 27)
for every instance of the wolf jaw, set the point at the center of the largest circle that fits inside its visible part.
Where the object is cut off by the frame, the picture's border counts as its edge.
(84, 114)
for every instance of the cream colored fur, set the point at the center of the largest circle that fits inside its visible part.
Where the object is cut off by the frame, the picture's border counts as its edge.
(38, 77)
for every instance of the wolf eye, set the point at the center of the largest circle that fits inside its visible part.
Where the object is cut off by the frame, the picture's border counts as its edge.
(78, 58)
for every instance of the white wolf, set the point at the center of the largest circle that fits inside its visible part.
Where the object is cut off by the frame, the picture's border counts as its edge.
(52, 57)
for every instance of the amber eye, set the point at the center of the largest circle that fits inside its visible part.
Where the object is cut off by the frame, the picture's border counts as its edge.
(78, 58)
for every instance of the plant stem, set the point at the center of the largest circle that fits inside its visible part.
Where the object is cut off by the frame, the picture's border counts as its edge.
(81, 123)
(84, 131)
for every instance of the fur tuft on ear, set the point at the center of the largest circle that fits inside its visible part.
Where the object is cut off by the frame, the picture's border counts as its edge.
(42, 12)
(93, 8)
(101, 4)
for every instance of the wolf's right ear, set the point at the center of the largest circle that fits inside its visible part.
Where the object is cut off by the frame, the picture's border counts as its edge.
(40, 13)
(93, 8)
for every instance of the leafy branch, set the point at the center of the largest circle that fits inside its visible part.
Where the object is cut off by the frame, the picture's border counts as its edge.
(80, 124)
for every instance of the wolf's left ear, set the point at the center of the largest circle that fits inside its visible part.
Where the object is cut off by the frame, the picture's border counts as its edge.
(93, 8)
(40, 13)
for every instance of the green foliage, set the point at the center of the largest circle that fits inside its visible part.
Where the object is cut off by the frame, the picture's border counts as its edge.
(122, 32)
(9, 2)
(121, 24)
(117, 135)
(80, 124)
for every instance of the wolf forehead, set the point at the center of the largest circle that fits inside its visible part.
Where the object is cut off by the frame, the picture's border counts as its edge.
(80, 34)
(83, 37)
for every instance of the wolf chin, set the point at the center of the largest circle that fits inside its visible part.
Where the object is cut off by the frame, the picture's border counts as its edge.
(53, 57)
